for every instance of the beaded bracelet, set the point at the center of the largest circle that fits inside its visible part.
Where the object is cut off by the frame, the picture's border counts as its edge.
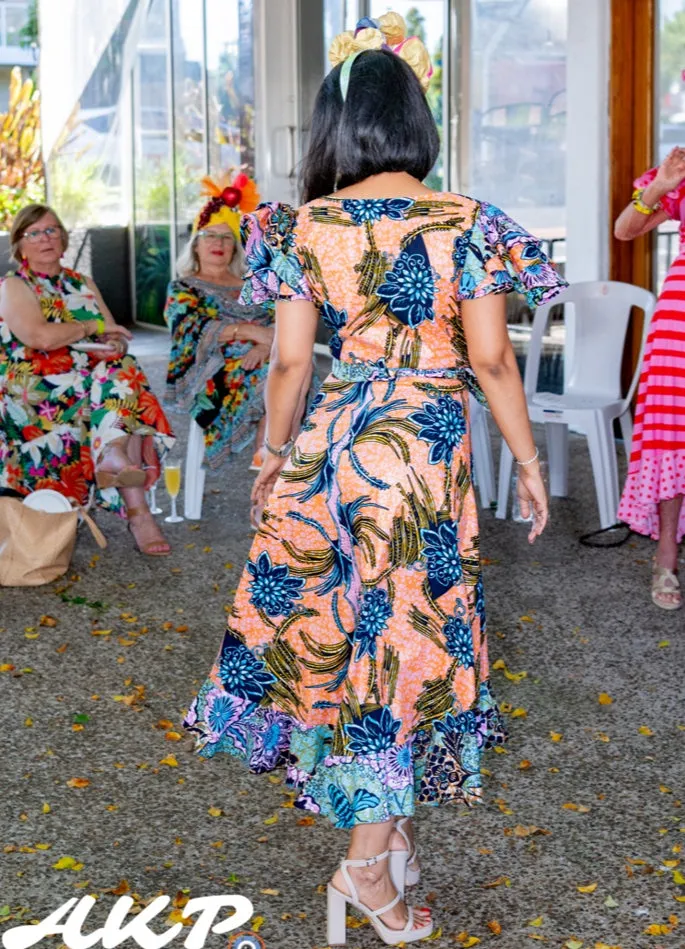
(639, 204)
(522, 464)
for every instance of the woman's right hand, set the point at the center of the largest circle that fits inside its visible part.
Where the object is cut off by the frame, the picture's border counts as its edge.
(532, 496)
(671, 171)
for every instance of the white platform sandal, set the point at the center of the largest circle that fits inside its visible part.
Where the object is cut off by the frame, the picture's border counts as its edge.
(402, 874)
(337, 910)
(665, 588)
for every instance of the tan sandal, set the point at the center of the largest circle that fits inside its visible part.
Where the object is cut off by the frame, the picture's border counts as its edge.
(665, 588)
(126, 476)
(129, 477)
(146, 549)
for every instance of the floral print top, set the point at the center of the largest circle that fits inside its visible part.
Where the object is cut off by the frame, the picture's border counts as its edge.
(402, 313)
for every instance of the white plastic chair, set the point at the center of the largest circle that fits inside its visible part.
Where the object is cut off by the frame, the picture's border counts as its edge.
(481, 448)
(195, 472)
(591, 400)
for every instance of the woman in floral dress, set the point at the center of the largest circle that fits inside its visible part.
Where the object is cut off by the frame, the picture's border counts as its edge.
(355, 652)
(219, 349)
(71, 419)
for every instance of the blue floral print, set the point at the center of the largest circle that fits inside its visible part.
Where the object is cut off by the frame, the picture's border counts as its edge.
(273, 589)
(373, 619)
(335, 320)
(369, 210)
(375, 732)
(358, 650)
(409, 288)
(443, 423)
(242, 673)
(459, 640)
(442, 557)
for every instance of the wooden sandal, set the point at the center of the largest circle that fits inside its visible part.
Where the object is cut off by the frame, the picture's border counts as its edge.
(665, 588)
(146, 549)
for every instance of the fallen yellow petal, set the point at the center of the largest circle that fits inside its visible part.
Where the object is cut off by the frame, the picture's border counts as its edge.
(678, 878)
(494, 927)
(556, 736)
(271, 820)
(170, 761)
(257, 923)
(78, 783)
(538, 921)
(215, 812)
(643, 730)
(590, 888)
(605, 699)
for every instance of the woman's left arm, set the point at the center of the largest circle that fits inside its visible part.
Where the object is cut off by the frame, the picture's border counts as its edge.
(289, 370)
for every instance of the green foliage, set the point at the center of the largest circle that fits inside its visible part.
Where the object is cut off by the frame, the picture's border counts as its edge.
(75, 189)
(22, 176)
(416, 24)
(28, 35)
(153, 272)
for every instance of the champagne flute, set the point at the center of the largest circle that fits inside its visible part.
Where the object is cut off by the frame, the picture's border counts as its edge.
(152, 500)
(172, 482)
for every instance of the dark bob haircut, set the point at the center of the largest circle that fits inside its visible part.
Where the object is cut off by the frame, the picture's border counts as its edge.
(383, 125)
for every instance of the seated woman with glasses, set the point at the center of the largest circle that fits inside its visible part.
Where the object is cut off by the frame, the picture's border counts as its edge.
(219, 349)
(77, 411)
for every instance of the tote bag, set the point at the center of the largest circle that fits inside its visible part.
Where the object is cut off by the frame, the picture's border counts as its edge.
(36, 547)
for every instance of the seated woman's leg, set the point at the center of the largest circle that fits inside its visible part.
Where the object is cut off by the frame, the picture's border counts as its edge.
(114, 467)
(142, 524)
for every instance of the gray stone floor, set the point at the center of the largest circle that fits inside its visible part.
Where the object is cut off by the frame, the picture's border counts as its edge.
(585, 795)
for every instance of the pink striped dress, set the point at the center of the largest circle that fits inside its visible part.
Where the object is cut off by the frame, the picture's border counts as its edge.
(657, 462)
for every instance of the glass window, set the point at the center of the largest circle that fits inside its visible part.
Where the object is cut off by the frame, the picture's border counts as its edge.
(426, 19)
(152, 190)
(516, 154)
(230, 71)
(16, 17)
(670, 130)
(339, 15)
(190, 158)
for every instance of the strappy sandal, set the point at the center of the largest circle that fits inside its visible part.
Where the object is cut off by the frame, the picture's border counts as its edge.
(337, 911)
(665, 588)
(402, 873)
(128, 476)
(146, 549)
(150, 461)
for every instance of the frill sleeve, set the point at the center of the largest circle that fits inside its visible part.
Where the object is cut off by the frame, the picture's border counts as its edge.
(274, 271)
(496, 255)
(670, 202)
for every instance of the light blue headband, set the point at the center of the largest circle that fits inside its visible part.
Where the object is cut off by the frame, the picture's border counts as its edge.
(345, 73)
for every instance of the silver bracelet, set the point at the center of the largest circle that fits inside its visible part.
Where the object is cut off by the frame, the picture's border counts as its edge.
(282, 452)
(522, 464)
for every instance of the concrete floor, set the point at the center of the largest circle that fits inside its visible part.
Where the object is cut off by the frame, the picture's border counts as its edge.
(585, 794)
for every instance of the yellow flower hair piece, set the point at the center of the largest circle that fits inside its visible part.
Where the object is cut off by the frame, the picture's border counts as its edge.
(228, 201)
(389, 32)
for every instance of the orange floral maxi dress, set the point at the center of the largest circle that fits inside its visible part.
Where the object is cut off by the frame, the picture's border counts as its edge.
(355, 652)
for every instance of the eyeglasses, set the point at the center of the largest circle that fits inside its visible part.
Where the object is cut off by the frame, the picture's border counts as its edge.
(50, 232)
(215, 236)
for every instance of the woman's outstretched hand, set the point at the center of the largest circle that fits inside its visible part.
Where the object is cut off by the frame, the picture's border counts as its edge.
(671, 170)
(532, 496)
(264, 484)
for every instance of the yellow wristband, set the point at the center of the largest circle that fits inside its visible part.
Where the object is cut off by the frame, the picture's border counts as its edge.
(639, 204)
